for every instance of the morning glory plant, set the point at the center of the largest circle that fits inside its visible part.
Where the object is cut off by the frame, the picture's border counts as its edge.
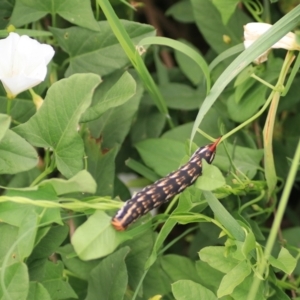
(252, 31)
(23, 63)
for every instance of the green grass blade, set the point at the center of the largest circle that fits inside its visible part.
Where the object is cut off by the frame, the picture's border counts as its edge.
(134, 57)
(277, 221)
(282, 27)
(198, 59)
(224, 217)
(230, 52)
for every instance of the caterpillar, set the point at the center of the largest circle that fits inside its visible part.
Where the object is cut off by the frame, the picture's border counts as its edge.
(165, 188)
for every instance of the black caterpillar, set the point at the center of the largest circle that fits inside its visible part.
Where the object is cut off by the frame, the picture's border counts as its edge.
(163, 189)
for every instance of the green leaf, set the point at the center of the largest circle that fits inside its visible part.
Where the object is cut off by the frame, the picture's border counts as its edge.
(242, 290)
(278, 30)
(210, 24)
(130, 48)
(211, 178)
(156, 282)
(81, 269)
(13, 213)
(188, 66)
(37, 292)
(224, 217)
(79, 286)
(208, 276)
(16, 155)
(249, 244)
(82, 182)
(21, 108)
(141, 248)
(14, 282)
(162, 155)
(27, 234)
(114, 125)
(246, 160)
(23, 179)
(246, 108)
(148, 124)
(179, 267)
(66, 100)
(278, 294)
(6, 8)
(51, 276)
(189, 290)
(50, 242)
(96, 237)
(118, 94)
(181, 96)
(8, 235)
(79, 13)
(209, 126)
(251, 95)
(101, 166)
(226, 8)
(181, 11)
(109, 279)
(285, 261)
(4, 124)
(215, 257)
(190, 52)
(166, 229)
(92, 51)
(18, 241)
(233, 278)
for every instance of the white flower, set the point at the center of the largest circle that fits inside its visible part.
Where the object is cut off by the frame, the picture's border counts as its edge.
(252, 31)
(23, 63)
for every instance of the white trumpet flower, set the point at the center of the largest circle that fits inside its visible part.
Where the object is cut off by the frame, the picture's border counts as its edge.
(23, 63)
(252, 31)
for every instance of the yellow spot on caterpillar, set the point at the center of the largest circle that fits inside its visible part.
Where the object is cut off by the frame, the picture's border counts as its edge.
(155, 197)
(168, 188)
(192, 171)
(180, 179)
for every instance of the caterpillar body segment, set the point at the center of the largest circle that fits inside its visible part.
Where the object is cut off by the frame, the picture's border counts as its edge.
(164, 189)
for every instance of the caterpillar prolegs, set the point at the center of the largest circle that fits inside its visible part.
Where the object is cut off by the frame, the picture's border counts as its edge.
(165, 188)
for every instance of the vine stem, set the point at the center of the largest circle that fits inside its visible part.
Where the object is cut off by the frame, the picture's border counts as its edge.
(277, 89)
(8, 106)
(49, 169)
(270, 172)
(276, 223)
(139, 284)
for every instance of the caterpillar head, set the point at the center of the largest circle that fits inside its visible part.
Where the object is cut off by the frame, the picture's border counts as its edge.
(208, 152)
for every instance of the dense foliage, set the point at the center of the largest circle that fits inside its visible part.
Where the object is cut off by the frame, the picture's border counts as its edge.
(120, 99)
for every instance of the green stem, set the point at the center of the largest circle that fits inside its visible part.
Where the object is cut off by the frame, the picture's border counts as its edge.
(270, 171)
(139, 285)
(277, 89)
(276, 223)
(8, 106)
(251, 202)
(171, 205)
(205, 135)
(272, 87)
(293, 74)
(136, 60)
(225, 136)
(97, 11)
(46, 172)
(252, 11)
(177, 239)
